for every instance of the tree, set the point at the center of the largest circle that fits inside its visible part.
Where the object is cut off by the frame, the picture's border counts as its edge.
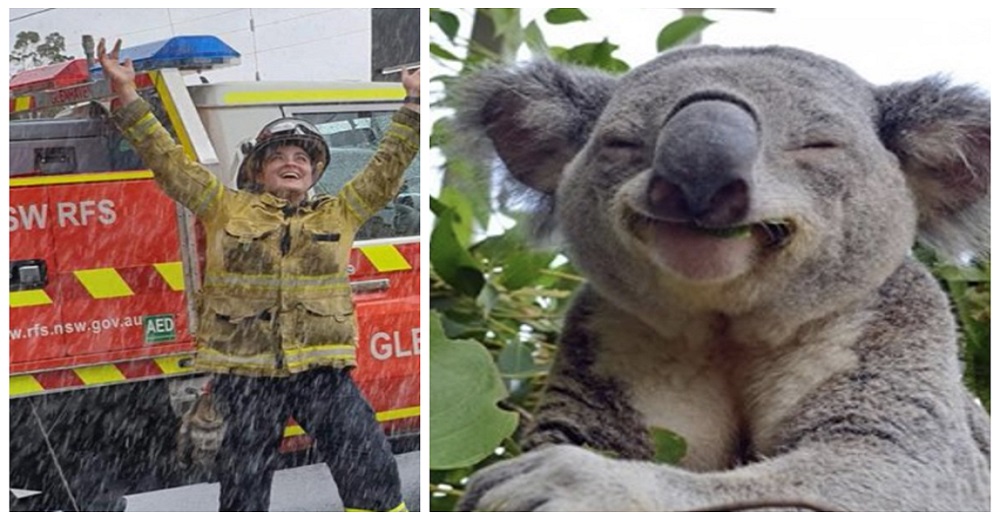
(29, 51)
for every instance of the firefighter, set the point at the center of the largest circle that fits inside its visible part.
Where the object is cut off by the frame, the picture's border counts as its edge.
(276, 319)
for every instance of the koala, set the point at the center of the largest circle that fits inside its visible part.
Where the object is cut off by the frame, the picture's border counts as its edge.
(745, 219)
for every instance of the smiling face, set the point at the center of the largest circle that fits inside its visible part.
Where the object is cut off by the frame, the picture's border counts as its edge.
(722, 178)
(286, 172)
(733, 177)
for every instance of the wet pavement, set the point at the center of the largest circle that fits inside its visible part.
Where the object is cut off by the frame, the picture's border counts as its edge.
(306, 488)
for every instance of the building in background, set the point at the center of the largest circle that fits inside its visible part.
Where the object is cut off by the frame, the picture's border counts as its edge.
(275, 44)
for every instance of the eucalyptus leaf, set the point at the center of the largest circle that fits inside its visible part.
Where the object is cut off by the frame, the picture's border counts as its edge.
(515, 360)
(535, 40)
(668, 447)
(595, 54)
(450, 259)
(465, 389)
(678, 31)
(564, 15)
(463, 215)
(441, 52)
(447, 21)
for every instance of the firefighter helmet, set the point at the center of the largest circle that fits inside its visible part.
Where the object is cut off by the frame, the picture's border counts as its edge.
(287, 130)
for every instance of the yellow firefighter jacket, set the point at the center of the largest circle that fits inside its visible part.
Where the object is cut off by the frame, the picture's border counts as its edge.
(275, 298)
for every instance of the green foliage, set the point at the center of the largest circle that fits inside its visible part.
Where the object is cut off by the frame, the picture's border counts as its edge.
(668, 447)
(597, 55)
(466, 387)
(450, 258)
(969, 289)
(561, 16)
(30, 51)
(676, 33)
(447, 22)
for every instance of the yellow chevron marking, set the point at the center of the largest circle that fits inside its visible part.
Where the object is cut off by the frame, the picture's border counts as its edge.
(103, 283)
(171, 365)
(402, 413)
(78, 178)
(292, 431)
(388, 415)
(21, 385)
(401, 508)
(172, 273)
(99, 374)
(386, 258)
(29, 298)
(22, 103)
(312, 95)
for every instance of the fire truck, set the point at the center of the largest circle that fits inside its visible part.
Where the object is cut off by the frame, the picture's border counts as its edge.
(104, 268)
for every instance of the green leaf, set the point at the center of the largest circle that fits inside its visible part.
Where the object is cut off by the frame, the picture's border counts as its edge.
(472, 184)
(515, 360)
(487, 299)
(440, 132)
(954, 273)
(438, 207)
(441, 52)
(677, 31)
(447, 21)
(449, 258)
(520, 265)
(462, 207)
(507, 28)
(535, 40)
(596, 54)
(465, 423)
(668, 447)
(506, 21)
(564, 15)
(525, 269)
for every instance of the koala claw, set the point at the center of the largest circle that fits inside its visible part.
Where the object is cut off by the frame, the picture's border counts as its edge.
(561, 478)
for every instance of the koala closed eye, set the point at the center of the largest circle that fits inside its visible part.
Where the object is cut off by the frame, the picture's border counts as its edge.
(819, 145)
(621, 143)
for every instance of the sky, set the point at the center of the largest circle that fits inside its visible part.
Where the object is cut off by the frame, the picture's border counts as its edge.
(884, 44)
(286, 44)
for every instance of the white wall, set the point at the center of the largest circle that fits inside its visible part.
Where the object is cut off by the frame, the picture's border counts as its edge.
(286, 44)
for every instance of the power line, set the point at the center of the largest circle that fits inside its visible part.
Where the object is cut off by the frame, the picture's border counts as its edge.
(172, 24)
(40, 11)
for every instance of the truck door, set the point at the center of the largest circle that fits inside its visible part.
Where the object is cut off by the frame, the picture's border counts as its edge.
(385, 263)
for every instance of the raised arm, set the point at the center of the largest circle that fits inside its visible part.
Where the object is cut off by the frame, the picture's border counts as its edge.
(382, 177)
(183, 179)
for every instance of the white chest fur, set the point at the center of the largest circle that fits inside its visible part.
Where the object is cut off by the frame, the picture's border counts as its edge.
(715, 393)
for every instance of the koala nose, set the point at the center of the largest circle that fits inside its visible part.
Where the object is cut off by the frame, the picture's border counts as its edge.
(703, 164)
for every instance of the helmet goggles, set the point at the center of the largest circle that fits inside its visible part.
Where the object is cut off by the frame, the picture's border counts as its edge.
(284, 131)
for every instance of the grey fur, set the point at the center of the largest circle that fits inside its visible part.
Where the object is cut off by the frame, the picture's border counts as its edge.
(815, 362)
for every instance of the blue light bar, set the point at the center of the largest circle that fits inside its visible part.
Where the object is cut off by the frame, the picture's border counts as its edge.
(181, 52)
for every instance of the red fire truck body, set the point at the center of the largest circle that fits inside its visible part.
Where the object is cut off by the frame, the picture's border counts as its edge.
(104, 268)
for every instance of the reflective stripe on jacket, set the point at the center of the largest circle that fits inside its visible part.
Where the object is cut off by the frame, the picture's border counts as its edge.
(276, 298)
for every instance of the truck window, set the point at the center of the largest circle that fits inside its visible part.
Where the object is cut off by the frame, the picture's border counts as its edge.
(353, 138)
(69, 144)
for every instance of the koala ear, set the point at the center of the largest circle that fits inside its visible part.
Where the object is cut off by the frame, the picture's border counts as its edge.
(535, 118)
(941, 134)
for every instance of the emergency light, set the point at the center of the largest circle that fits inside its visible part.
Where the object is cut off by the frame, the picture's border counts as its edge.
(181, 52)
(57, 75)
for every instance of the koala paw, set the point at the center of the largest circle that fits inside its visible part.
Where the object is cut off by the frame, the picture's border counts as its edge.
(563, 478)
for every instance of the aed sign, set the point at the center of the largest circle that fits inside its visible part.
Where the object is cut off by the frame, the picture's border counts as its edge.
(159, 328)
